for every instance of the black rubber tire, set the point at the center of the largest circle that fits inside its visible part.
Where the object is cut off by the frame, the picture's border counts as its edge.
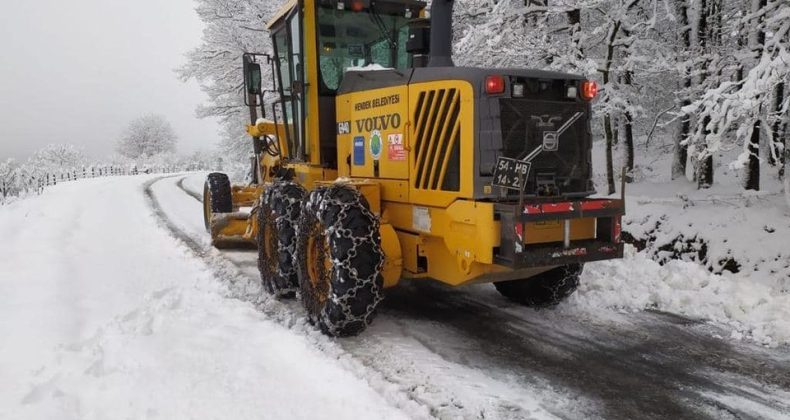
(217, 196)
(341, 216)
(544, 290)
(279, 210)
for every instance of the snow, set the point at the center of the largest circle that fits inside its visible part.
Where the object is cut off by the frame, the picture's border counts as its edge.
(133, 318)
(452, 389)
(369, 67)
(430, 380)
(787, 187)
(194, 183)
(741, 405)
(750, 228)
(105, 315)
(747, 308)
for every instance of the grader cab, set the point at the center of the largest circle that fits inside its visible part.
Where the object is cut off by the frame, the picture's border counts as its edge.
(380, 160)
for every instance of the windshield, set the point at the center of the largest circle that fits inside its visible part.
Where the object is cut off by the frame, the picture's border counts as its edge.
(357, 39)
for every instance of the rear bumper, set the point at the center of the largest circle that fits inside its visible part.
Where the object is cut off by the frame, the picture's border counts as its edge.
(515, 251)
(586, 251)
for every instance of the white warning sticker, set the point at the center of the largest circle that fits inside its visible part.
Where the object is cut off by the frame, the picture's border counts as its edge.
(421, 219)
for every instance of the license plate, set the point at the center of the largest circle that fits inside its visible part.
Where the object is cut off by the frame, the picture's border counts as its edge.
(511, 173)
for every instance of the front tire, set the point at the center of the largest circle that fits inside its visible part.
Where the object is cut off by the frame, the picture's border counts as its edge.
(544, 290)
(217, 197)
(279, 211)
(339, 260)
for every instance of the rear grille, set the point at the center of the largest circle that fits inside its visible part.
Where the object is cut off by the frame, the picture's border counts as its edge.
(523, 123)
(437, 137)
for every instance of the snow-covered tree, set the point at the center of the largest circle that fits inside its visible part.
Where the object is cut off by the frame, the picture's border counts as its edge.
(8, 178)
(232, 28)
(201, 161)
(518, 33)
(737, 111)
(148, 135)
(58, 158)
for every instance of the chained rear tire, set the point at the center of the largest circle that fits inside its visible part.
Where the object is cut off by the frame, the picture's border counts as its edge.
(277, 216)
(217, 197)
(544, 290)
(339, 260)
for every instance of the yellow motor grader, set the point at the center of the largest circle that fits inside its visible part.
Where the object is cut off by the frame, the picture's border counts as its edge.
(380, 160)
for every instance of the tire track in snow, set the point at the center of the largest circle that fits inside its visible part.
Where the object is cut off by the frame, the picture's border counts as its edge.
(653, 366)
(425, 382)
(374, 353)
(646, 365)
(191, 243)
(195, 195)
(155, 331)
(242, 288)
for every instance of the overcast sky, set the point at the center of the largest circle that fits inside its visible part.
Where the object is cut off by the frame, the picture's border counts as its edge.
(78, 71)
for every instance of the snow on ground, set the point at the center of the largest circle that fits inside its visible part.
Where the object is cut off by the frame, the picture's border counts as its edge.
(105, 315)
(753, 304)
(749, 309)
(742, 232)
(120, 319)
(452, 390)
(173, 200)
(194, 183)
(719, 224)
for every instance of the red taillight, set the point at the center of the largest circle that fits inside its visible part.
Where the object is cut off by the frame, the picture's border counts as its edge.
(589, 90)
(357, 5)
(495, 85)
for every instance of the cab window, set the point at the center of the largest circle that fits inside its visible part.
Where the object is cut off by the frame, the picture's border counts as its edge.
(290, 71)
(349, 39)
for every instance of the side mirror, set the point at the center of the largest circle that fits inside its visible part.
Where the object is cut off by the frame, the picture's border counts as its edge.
(252, 77)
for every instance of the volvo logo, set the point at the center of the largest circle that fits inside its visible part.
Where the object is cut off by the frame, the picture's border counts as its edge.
(382, 123)
(546, 121)
(551, 139)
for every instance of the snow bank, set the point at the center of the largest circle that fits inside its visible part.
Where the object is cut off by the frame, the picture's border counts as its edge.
(105, 315)
(745, 233)
(748, 308)
(695, 233)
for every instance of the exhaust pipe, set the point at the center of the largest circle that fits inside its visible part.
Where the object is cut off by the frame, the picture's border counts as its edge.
(441, 34)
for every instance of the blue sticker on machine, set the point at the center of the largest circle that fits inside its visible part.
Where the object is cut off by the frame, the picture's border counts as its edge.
(359, 151)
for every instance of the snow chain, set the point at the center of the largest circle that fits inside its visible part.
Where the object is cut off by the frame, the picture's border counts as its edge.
(284, 200)
(565, 286)
(357, 259)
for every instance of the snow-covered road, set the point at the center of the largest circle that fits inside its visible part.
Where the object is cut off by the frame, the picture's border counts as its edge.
(115, 306)
(105, 315)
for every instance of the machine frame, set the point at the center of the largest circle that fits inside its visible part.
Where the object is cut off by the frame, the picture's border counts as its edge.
(417, 144)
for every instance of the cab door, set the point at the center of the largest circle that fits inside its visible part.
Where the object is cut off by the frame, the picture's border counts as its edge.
(289, 52)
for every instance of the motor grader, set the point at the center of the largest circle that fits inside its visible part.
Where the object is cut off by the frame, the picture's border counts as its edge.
(380, 160)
